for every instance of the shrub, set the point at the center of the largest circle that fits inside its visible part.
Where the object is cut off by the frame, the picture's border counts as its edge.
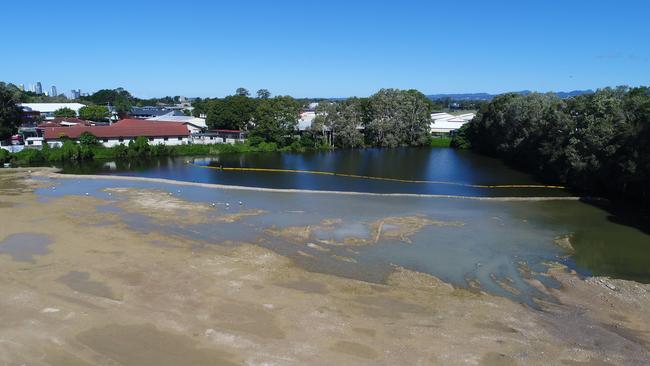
(4, 156)
(88, 139)
(139, 147)
(255, 141)
(121, 151)
(28, 156)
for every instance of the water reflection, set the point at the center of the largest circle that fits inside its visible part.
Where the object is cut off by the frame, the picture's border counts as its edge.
(429, 164)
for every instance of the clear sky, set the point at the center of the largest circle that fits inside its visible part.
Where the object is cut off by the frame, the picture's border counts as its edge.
(325, 48)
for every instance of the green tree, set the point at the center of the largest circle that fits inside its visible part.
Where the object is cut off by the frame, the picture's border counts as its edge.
(398, 118)
(596, 143)
(94, 113)
(242, 92)
(263, 94)
(9, 113)
(65, 112)
(233, 112)
(343, 120)
(276, 119)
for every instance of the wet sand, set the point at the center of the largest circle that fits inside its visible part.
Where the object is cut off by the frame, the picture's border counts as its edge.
(110, 295)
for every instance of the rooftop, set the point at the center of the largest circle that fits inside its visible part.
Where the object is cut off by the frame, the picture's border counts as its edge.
(123, 128)
(170, 117)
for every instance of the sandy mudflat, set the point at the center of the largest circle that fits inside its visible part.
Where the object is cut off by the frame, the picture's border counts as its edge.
(99, 293)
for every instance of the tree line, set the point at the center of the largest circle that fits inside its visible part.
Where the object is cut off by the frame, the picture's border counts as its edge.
(388, 118)
(596, 143)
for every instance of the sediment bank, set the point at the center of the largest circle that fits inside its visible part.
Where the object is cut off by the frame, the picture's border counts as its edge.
(103, 294)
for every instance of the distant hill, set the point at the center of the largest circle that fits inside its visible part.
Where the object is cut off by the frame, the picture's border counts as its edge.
(486, 96)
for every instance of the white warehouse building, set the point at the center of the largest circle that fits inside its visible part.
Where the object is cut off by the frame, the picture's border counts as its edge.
(47, 109)
(445, 123)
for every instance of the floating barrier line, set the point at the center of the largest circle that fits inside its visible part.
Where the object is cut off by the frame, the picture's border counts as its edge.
(271, 170)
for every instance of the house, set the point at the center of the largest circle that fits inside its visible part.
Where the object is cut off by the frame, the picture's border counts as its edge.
(445, 123)
(123, 132)
(47, 110)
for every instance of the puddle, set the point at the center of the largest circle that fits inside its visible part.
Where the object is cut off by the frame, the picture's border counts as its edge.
(145, 345)
(23, 247)
(81, 282)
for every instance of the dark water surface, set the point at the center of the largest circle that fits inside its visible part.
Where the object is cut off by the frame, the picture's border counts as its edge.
(498, 237)
(439, 165)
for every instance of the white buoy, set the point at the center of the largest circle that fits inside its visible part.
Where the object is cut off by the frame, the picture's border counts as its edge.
(213, 204)
(179, 191)
(241, 203)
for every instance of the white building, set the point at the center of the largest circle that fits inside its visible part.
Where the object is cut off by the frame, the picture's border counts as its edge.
(445, 123)
(47, 109)
(305, 121)
(194, 124)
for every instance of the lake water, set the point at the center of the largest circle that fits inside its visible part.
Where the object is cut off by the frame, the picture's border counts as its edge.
(438, 166)
(498, 243)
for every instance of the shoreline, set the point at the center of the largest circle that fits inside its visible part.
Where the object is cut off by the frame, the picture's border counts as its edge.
(55, 173)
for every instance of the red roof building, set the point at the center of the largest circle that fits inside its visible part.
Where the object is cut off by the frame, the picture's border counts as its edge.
(122, 132)
(127, 128)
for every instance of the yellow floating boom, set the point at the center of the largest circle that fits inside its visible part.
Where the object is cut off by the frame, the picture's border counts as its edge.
(271, 170)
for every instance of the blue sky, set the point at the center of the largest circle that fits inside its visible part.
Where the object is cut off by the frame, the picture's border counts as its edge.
(325, 48)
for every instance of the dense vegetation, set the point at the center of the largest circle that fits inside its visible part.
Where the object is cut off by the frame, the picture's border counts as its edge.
(9, 113)
(389, 118)
(89, 149)
(596, 143)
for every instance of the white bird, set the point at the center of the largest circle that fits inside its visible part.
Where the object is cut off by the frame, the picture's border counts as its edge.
(213, 204)
(86, 193)
(179, 191)
(227, 204)
(241, 203)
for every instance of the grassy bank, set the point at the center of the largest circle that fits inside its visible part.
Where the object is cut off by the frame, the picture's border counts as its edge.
(71, 151)
(140, 148)
(440, 141)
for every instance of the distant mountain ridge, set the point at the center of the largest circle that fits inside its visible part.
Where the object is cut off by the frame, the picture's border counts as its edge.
(487, 96)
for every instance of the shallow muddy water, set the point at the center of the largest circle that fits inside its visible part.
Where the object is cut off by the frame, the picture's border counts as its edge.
(496, 247)
(23, 247)
(491, 245)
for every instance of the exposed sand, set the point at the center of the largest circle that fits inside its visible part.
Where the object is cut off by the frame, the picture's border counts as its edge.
(399, 228)
(107, 295)
(164, 206)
